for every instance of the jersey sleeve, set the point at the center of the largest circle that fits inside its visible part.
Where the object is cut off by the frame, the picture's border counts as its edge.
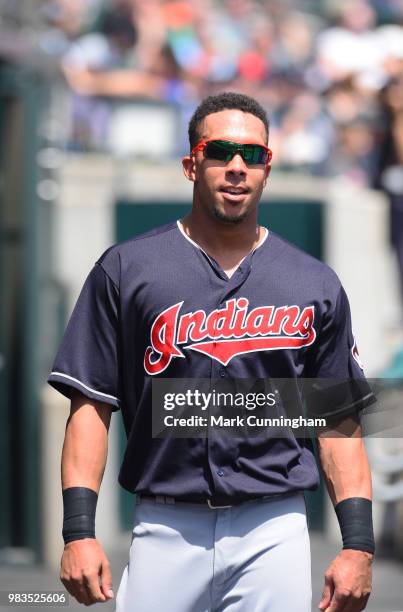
(87, 359)
(340, 387)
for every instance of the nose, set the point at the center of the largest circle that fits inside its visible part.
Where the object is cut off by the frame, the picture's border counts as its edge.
(236, 165)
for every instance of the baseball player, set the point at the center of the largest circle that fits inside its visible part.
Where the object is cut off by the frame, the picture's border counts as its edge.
(219, 521)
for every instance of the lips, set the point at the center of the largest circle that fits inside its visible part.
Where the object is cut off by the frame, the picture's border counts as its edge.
(234, 194)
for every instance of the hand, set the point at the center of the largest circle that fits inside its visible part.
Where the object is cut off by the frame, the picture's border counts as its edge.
(85, 571)
(347, 582)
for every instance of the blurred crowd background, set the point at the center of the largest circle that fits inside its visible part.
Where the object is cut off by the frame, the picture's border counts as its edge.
(330, 74)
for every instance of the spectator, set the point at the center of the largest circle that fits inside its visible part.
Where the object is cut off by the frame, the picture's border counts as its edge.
(353, 153)
(293, 48)
(88, 56)
(389, 175)
(348, 48)
(305, 134)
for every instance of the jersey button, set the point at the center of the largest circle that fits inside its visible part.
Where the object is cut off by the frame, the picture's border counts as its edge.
(220, 472)
(222, 372)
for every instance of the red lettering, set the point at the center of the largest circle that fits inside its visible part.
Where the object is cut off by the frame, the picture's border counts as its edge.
(191, 325)
(258, 321)
(305, 322)
(163, 332)
(278, 319)
(284, 327)
(238, 329)
(290, 320)
(219, 321)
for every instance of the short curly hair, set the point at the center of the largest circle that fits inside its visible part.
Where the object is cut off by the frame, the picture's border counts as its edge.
(224, 101)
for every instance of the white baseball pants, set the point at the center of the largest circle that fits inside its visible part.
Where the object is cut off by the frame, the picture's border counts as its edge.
(254, 557)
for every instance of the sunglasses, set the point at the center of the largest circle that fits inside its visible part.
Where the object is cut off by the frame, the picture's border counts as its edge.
(224, 150)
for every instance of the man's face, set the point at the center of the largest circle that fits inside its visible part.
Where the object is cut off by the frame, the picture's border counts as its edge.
(229, 191)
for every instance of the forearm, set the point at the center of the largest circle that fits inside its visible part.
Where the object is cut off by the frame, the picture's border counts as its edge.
(127, 83)
(115, 83)
(345, 465)
(85, 570)
(348, 478)
(85, 444)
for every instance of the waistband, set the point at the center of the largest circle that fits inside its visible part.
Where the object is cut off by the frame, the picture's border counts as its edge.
(208, 503)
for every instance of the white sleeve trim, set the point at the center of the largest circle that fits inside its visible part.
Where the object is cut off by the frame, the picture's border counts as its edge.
(84, 386)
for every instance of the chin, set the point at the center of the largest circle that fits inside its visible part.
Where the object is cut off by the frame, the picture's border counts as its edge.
(230, 219)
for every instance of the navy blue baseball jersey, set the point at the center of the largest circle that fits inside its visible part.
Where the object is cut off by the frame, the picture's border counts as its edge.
(157, 305)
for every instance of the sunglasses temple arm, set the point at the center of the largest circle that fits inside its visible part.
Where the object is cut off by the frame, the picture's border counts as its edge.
(199, 147)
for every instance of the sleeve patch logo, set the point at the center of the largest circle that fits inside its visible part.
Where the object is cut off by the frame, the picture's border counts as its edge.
(356, 355)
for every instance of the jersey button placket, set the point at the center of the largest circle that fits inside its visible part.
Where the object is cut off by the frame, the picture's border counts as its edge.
(219, 452)
(217, 371)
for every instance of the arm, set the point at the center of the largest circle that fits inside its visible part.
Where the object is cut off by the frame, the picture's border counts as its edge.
(85, 569)
(347, 474)
(115, 83)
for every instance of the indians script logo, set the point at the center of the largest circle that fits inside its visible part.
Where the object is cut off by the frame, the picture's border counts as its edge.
(227, 332)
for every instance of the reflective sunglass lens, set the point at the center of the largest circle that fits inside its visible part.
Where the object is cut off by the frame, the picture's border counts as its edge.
(218, 150)
(224, 151)
(255, 154)
(249, 154)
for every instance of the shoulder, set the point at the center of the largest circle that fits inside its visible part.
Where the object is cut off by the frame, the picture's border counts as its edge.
(143, 245)
(293, 261)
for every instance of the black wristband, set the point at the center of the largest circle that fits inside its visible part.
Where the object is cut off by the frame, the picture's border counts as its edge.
(355, 519)
(79, 505)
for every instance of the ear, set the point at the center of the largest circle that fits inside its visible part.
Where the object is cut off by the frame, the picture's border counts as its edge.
(189, 167)
(267, 173)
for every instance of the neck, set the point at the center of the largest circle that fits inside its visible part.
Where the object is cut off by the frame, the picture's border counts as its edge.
(216, 236)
